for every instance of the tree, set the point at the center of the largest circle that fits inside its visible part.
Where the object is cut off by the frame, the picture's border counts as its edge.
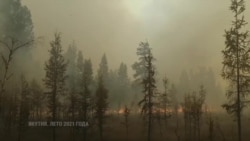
(71, 84)
(192, 109)
(87, 80)
(126, 113)
(80, 82)
(86, 99)
(163, 105)
(123, 73)
(72, 110)
(10, 49)
(10, 113)
(17, 21)
(79, 63)
(16, 31)
(24, 110)
(38, 99)
(175, 105)
(236, 63)
(16, 28)
(210, 122)
(123, 83)
(55, 77)
(145, 73)
(184, 84)
(198, 109)
(101, 103)
(118, 85)
(104, 71)
(186, 106)
(16, 24)
(165, 101)
(71, 58)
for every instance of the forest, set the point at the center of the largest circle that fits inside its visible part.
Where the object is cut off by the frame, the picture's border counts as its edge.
(72, 85)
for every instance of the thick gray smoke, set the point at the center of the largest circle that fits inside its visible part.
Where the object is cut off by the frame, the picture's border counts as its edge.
(183, 34)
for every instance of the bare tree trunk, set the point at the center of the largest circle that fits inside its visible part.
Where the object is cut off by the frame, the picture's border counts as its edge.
(101, 130)
(190, 128)
(149, 120)
(221, 132)
(199, 130)
(211, 129)
(54, 112)
(150, 103)
(177, 127)
(126, 122)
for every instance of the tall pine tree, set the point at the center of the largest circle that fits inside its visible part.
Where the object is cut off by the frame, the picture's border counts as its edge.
(55, 77)
(145, 74)
(87, 80)
(24, 109)
(101, 97)
(236, 63)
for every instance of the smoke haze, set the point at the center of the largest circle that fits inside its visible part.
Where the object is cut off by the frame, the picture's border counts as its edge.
(183, 34)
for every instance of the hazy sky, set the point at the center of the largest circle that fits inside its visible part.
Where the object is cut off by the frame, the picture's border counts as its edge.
(184, 34)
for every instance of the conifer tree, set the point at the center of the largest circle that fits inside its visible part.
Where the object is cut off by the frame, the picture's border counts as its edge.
(87, 80)
(236, 63)
(55, 77)
(24, 108)
(38, 99)
(101, 97)
(145, 74)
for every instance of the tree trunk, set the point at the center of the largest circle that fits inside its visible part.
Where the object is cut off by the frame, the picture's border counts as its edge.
(238, 86)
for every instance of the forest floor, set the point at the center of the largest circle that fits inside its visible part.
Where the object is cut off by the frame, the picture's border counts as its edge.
(224, 129)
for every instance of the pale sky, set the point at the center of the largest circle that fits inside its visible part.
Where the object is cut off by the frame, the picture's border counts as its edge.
(184, 34)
